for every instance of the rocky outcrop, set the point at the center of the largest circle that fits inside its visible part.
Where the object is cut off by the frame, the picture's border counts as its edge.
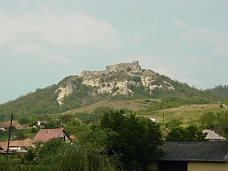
(109, 81)
(65, 90)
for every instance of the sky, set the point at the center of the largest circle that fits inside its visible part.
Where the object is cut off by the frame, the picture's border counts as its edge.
(41, 42)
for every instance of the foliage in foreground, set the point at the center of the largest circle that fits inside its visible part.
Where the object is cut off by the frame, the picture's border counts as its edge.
(190, 133)
(137, 138)
(89, 156)
(215, 121)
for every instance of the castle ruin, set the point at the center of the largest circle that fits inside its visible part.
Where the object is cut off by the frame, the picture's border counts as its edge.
(134, 67)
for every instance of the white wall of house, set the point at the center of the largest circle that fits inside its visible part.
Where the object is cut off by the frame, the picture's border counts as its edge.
(15, 148)
(63, 136)
(3, 129)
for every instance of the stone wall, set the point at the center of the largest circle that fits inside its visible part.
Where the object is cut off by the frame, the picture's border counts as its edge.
(92, 73)
(135, 67)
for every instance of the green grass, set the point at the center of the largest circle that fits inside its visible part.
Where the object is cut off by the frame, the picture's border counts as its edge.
(4, 135)
(26, 134)
(189, 114)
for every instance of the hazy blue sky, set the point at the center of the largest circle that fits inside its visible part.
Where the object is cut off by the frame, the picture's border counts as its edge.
(41, 42)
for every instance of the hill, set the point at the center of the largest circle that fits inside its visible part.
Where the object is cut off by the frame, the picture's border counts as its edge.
(221, 91)
(127, 82)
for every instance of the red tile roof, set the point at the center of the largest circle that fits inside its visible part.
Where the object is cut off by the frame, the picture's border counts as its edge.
(21, 143)
(45, 135)
(4, 145)
(7, 124)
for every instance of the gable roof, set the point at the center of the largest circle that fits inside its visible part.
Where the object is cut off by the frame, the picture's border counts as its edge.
(3, 146)
(195, 151)
(18, 143)
(45, 135)
(21, 143)
(7, 124)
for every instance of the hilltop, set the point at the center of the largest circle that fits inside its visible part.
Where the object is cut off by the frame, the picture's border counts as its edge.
(127, 83)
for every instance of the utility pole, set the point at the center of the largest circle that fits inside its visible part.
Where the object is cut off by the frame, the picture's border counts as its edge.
(163, 118)
(10, 132)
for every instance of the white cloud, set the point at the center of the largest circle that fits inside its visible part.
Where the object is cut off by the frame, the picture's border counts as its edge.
(221, 48)
(177, 66)
(190, 36)
(8, 29)
(175, 45)
(153, 28)
(29, 47)
(24, 3)
(136, 38)
(208, 37)
(180, 24)
(62, 28)
(202, 35)
(60, 59)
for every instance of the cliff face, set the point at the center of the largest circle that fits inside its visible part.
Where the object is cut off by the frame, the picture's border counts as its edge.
(65, 90)
(115, 80)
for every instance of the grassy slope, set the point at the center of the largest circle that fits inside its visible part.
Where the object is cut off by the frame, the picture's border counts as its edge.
(133, 105)
(189, 113)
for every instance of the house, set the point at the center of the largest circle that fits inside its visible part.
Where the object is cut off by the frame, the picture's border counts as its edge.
(193, 156)
(3, 146)
(213, 136)
(5, 125)
(154, 120)
(20, 146)
(45, 135)
(41, 123)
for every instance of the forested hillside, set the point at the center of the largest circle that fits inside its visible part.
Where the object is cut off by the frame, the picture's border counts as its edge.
(121, 84)
(221, 91)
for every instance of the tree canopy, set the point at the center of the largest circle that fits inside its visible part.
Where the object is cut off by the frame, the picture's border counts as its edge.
(137, 138)
(190, 133)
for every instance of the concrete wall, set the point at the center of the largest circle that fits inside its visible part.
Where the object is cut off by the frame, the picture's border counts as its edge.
(207, 166)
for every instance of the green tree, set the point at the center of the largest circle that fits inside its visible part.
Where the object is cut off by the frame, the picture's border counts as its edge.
(74, 128)
(222, 126)
(136, 79)
(23, 120)
(190, 133)
(128, 69)
(66, 118)
(32, 122)
(137, 138)
(51, 125)
(175, 123)
(88, 154)
(29, 156)
(20, 135)
(50, 147)
(208, 120)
